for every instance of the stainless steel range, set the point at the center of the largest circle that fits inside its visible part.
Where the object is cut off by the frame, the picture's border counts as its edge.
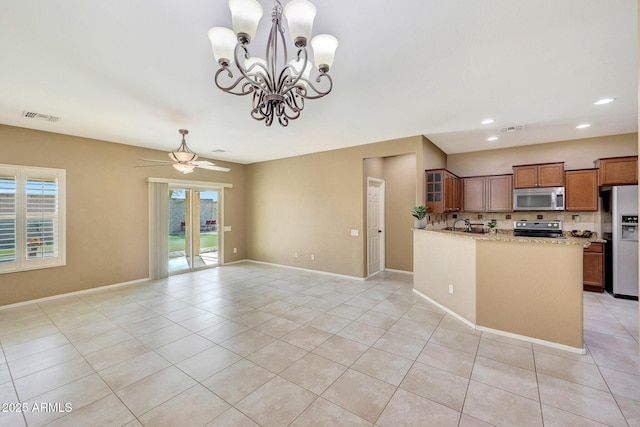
(538, 228)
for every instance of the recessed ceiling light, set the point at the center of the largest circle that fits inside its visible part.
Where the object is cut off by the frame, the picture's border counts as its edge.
(492, 138)
(583, 126)
(487, 121)
(604, 101)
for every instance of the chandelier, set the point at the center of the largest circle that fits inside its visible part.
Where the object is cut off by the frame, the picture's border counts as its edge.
(278, 86)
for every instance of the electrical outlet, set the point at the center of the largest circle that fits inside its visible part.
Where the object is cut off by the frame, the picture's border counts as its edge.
(235, 250)
(450, 288)
(540, 216)
(295, 254)
(313, 257)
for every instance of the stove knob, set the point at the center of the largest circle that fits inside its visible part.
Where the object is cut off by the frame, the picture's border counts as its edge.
(524, 224)
(550, 225)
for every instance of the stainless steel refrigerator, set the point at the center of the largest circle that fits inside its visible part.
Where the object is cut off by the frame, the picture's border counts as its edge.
(624, 241)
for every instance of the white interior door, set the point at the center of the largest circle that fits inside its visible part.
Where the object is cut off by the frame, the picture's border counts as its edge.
(375, 225)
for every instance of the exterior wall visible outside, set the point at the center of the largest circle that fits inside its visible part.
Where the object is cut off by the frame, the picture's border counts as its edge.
(208, 211)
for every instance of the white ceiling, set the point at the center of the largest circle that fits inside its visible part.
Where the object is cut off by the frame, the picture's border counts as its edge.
(135, 72)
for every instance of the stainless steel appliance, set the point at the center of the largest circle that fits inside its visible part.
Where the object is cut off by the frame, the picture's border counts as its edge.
(624, 244)
(547, 229)
(538, 199)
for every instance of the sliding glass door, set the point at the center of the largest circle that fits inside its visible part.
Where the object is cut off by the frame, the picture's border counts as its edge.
(193, 228)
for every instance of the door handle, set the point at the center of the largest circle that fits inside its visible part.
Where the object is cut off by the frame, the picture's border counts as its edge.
(379, 231)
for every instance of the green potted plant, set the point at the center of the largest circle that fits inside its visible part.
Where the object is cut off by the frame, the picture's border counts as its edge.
(492, 226)
(420, 213)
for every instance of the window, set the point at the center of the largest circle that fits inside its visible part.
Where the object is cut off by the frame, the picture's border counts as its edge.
(32, 218)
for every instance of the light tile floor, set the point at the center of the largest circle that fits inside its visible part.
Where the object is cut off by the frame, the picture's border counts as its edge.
(250, 344)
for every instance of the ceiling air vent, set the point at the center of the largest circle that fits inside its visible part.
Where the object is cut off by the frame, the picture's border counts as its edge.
(39, 116)
(511, 129)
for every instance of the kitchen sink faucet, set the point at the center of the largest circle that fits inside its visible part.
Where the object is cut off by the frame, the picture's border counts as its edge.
(467, 224)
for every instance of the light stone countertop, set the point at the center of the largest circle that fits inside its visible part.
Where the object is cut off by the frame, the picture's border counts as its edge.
(507, 236)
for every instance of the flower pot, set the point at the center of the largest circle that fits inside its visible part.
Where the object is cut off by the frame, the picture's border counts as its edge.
(420, 223)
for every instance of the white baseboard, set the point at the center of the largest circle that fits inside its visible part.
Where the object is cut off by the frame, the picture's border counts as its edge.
(328, 273)
(398, 271)
(500, 332)
(68, 294)
(445, 309)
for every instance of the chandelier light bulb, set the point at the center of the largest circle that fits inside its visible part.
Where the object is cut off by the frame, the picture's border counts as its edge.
(324, 49)
(245, 15)
(300, 15)
(223, 43)
(296, 66)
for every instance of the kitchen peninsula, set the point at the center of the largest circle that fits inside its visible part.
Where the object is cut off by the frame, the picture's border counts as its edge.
(525, 287)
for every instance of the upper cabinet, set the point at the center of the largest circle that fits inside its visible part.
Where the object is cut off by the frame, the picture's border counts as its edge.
(442, 191)
(541, 175)
(581, 190)
(492, 193)
(618, 170)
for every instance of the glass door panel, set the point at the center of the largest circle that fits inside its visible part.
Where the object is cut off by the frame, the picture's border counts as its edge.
(179, 230)
(193, 229)
(207, 241)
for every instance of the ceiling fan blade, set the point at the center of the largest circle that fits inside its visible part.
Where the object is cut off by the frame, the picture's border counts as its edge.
(148, 166)
(205, 164)
(213, 168)
(157, 161)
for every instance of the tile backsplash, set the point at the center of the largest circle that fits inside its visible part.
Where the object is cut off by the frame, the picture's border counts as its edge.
(570, 220)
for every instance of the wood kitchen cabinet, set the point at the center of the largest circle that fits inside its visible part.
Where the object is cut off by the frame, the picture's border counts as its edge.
(492, 193)
(540, 175)
(593, 268)
(442, 191)
(618, 170)
(581, 190)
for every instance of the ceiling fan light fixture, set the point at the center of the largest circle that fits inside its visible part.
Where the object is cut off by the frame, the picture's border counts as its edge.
(184, 168)
(183, 154)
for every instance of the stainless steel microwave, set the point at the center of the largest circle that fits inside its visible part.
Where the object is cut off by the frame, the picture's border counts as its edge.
(538, 199)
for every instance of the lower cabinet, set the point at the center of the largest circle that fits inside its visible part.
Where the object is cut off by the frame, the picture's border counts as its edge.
(593, 268)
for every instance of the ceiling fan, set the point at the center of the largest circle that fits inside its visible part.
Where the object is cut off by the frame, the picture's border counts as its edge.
(184, 160)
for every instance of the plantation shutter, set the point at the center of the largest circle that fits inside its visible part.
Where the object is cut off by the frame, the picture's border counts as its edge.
(41, 231)
(7, 220)
(32, 218)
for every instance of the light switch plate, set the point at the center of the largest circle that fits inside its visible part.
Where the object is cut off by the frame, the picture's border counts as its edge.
(355, 233)
(226, 228)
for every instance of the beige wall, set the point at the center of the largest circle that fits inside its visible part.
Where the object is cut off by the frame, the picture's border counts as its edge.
(440, 260)
(400, 181)
(531, 289)
(577, 154)
(107, 218)
(528, 289)
(308, 204)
